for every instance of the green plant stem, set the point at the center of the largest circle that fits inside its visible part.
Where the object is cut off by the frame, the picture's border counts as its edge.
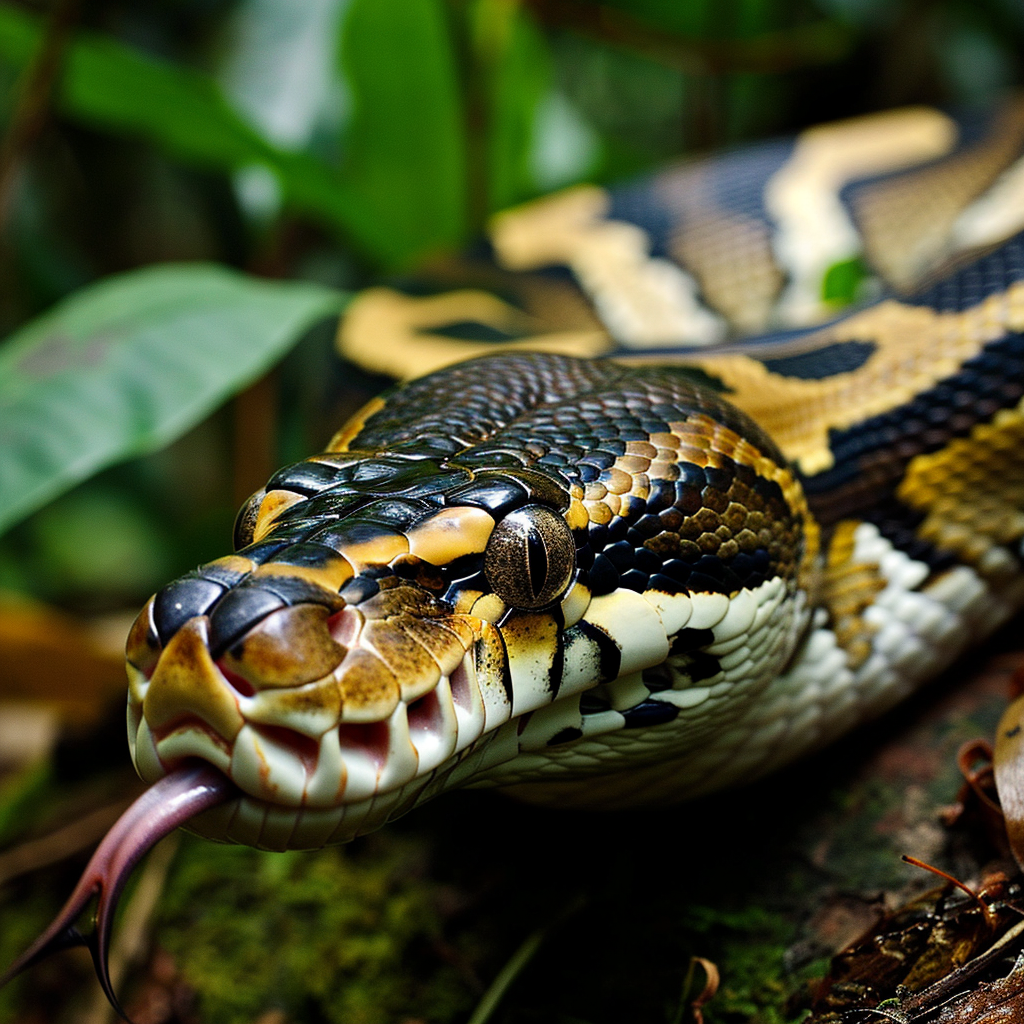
(32, 106)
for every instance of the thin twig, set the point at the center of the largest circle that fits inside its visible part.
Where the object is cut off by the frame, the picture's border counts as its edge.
(768, 53)
(33, 103)
(516, 963)
(65, 842)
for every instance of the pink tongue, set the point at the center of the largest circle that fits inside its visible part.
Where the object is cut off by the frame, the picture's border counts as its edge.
(158, 812)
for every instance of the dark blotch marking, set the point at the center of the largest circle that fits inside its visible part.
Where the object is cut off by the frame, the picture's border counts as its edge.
(609, 655)
(871, 457)
(841, 357)
(470, 330)
(566, 735)
(689, 640)
(557, 669)
(702, 666)
(602, 576)
(648, 713)
(592, 704)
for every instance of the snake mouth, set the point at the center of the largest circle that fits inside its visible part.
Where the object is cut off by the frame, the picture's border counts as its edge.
(401, 689)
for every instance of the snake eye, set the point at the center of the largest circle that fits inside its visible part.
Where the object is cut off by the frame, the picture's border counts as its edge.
(530, 557)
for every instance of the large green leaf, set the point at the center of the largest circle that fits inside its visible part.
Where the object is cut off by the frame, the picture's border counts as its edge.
(405, 145)
(520, 73)
(127, 365)
(110, 85)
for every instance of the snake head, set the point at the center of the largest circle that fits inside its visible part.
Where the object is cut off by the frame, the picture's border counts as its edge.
(348, 658)
(476, 596)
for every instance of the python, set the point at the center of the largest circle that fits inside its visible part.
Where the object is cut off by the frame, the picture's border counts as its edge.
(624, 579)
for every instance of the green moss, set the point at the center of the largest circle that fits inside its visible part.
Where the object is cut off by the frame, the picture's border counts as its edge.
(323, 936)
(749, 948)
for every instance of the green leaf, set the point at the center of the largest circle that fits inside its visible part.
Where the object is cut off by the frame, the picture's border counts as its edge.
(520, 73)
(405, 145)
(112, 86)
(123, 367)
(841, 282)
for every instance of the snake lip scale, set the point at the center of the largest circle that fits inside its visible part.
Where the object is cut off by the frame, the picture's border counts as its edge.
(598, 582)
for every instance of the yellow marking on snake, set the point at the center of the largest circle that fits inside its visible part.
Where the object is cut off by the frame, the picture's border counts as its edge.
(915, 348)
(972, 492)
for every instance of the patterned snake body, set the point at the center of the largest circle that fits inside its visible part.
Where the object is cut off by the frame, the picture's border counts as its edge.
(602, 582)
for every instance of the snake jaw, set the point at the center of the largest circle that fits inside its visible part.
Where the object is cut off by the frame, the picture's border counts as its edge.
(396, 694)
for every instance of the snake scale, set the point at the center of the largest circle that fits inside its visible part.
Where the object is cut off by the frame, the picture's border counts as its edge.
(633, 576)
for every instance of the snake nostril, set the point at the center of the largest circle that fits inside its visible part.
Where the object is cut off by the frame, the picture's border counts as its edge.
(240, 683)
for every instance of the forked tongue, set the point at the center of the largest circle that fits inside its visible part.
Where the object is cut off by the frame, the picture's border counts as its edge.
(159, 811)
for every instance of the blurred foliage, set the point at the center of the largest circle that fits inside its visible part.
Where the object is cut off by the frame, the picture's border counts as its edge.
(124, 366)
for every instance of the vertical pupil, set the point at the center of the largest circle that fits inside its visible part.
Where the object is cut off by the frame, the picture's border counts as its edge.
(537, 560)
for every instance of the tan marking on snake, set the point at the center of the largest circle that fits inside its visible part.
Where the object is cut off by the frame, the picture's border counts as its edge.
(847, 590)
(916, 348)
(973, 493)
(187, 683)
(273, 504)
(644, 300)
(332, 575)
(907, 222)
(341, 440)
(385, 331)
(449, 534)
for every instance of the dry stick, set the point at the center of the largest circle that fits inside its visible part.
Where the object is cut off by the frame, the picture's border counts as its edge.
(130, 944)
(55, 847)
(33, 102)
(255, 414)
(768, 53)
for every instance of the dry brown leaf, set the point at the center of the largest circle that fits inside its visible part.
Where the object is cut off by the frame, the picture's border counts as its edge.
(1008, 763)
(50, 658)
(712, 979)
